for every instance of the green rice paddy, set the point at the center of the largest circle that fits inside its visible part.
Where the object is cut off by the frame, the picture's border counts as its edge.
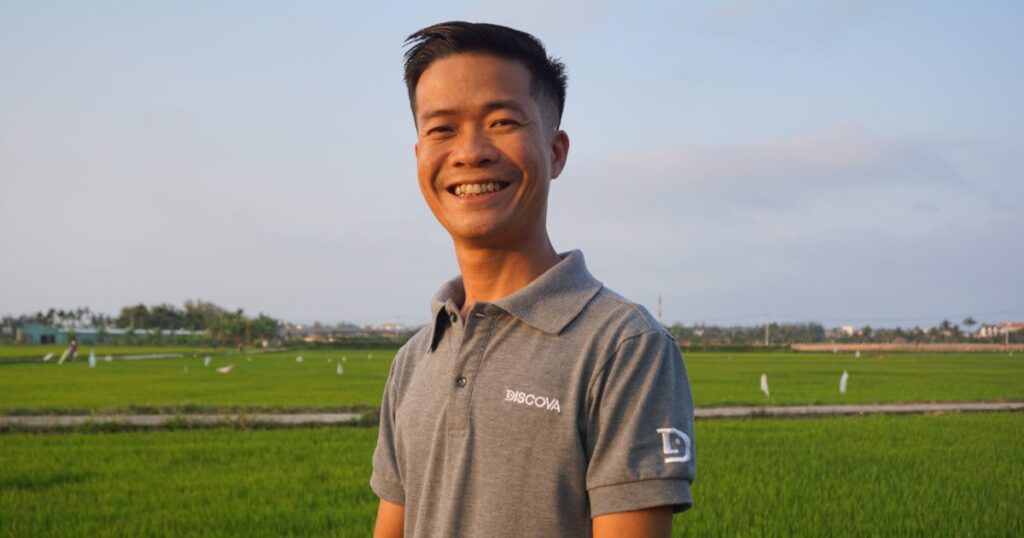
(275, 381)
(272, 381)
(10, 352)
(923, 475)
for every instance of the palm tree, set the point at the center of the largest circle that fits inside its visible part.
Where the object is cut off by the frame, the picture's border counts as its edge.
(969, 322)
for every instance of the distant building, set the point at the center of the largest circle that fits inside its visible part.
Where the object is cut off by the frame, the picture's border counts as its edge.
(847, 330)
(39, 333)
(998, 329)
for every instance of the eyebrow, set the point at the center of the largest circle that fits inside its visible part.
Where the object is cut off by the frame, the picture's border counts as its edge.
(488, 107)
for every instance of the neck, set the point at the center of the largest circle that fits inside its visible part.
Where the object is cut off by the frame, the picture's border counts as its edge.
(491, 273)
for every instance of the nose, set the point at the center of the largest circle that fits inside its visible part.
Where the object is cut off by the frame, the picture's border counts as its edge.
(473, 149)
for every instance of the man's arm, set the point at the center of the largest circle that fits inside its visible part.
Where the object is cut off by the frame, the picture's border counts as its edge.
(648, 523)
(391, 520)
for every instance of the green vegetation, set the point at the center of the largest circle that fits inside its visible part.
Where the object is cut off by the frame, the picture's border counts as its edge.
(721, 379)
(28, 352)
(221, 325)
(947, 475)
(274, 381)
(310, 482)
(925, 475)
(271, 381)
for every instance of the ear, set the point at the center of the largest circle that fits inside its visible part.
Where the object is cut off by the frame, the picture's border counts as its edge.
(559, 152)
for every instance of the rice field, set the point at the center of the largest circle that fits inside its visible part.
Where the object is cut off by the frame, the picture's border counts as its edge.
(924, 475)
(10, 352)
(275, 381)
(272, 381)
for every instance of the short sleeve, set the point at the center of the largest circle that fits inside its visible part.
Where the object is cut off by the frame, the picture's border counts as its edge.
(386, 479)
(639, 435)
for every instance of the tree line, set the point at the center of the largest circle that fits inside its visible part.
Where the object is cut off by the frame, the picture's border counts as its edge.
(813, 332)
(219, 324)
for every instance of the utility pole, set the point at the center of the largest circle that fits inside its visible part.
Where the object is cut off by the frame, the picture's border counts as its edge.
(766, 333)
(1006, 331)
(661, 320)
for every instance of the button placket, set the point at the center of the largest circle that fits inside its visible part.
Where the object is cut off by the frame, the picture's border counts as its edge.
(476, 335)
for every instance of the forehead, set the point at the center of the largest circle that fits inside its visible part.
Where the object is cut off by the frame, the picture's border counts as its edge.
(465, 81)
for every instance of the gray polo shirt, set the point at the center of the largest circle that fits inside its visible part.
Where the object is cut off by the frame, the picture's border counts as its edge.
(535, 413)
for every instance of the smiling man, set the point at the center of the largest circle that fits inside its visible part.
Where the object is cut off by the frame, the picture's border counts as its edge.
(536, 402)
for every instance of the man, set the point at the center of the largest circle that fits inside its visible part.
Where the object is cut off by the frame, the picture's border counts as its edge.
(536, 402)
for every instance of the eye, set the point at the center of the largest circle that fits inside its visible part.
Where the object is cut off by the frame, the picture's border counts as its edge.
(438, 130)
(505, 122)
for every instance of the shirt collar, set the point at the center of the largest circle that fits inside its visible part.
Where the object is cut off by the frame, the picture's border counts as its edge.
(549, 303)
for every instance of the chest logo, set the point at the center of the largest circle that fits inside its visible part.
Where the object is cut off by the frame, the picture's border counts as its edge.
(541, 402)
(672, 440)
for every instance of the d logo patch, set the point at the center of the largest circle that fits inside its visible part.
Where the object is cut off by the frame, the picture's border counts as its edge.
(671, 441)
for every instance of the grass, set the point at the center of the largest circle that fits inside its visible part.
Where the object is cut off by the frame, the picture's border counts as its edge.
(925, 475)
(811, 379)
(271, 381)
(274, 381)
(187, 483)
(9, 352)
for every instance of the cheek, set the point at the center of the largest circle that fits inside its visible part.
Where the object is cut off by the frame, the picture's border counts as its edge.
(530, 154)
(425, 168)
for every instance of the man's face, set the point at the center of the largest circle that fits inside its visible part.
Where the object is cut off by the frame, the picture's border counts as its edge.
(484, 156)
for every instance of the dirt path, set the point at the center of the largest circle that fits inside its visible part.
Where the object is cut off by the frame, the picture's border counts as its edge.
(872, 409)
(62, 421)
(66, 421)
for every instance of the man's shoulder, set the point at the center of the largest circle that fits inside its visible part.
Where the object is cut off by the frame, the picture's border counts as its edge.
(613, 315)
(407, 355)
(418, 343)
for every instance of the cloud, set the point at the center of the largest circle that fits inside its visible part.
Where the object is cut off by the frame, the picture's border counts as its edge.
(840, 169)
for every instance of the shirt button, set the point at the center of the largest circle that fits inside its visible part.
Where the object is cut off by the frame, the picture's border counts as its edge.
(460, 382)
(454, 317)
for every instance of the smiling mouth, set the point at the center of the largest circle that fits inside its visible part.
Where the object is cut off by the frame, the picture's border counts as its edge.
(477, 189)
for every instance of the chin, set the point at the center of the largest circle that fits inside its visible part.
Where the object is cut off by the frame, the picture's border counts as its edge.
(478, 232)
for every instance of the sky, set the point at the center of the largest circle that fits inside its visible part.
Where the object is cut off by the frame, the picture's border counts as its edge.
(854, 162)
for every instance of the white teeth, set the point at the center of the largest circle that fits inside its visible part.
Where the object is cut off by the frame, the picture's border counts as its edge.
(476, 188)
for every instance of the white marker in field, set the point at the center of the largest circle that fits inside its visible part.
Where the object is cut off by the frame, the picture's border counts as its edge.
(298, 359)
(225, 369)
(64, 356)
(340, 370)
(856, 354)
(92, 359)
(50, 356)
(842, 382)
(344, 359)
(764, 385)
(108, 358)
(248, 359)
(206, 361)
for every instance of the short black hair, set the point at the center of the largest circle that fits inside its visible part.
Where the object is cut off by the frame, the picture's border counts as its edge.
(547, 74)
